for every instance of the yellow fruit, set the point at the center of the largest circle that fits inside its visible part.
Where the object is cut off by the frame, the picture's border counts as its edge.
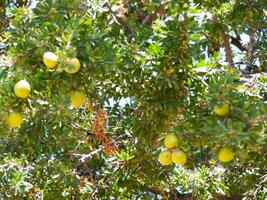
(22, 89)
(222, 110)
(171, 141)
(73, 66)
(14, 119)
(178, 157)
(50, 59)
(165, 158)
(77, 98)
(225, 154)
(170, 70)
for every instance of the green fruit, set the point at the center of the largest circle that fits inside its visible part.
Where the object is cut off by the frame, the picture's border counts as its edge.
(73, 66)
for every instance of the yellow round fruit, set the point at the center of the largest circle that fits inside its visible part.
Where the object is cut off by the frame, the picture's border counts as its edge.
(50, 59)
(22, 89)
(165, 158)
(77, 98)
(73, 66)
(225, 154)
(222, 110)
(14, 119)
(178, 157)
(171, 141)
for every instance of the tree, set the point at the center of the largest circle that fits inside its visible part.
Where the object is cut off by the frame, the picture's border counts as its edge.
(147, 69)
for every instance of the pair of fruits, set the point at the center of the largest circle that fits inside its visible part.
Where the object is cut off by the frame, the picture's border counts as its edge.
(172, 154)
(72, 65)
(225, 154)
(22, 90)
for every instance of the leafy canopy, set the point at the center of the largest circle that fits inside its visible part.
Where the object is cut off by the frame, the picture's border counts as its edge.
(148, 68)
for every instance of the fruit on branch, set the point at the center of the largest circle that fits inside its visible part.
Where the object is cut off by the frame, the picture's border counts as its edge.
(73, 66)
(171, 141)
(50, 59)
(77, 98)
(225, 154)
(22, 89)
(178, 157)
(14, 119)
(165, 158)
(222, 110)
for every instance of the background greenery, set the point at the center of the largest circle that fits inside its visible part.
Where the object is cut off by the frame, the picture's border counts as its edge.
(149, 68)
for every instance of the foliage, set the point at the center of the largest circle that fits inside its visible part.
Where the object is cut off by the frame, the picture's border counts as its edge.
(148, 68)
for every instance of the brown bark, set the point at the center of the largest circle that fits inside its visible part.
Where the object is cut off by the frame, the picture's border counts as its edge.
(237, 42)
(150, 18)
(227, 47)
(251, 47)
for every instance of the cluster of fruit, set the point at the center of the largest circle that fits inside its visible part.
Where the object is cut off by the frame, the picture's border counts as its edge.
(176, 156)
(22, 88)
(172, 154)
(225, 154)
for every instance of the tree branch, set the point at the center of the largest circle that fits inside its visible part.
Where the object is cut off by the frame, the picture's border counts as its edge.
(226, 43)
(250, 52)
(150, 18)
(118, 19)
(227, 47)
(173, 194)
(237, 42)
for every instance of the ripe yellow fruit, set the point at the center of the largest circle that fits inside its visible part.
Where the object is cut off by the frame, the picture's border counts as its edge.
(50, 60)
(77, 98)
(225, 154)
(22, 89)
(73, 66)
(165, 158)
(222, 110)
(178, 157)
(14, 119)
(171, 141)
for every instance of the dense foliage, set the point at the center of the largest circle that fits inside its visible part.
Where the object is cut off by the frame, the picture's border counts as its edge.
(148, 68)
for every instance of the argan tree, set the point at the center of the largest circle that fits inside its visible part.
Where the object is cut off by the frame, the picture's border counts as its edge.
(133, 99)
